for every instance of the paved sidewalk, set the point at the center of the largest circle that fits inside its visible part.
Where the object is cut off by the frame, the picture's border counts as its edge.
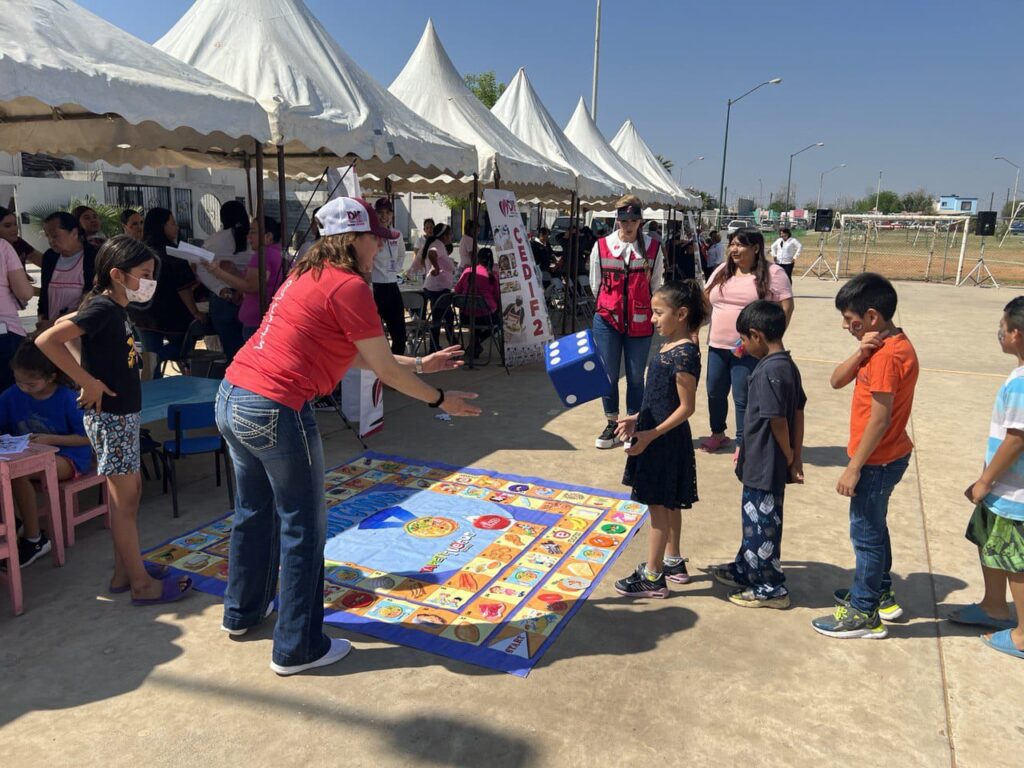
(692, 680)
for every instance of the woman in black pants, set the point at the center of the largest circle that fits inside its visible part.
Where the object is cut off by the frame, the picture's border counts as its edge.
(390, 260)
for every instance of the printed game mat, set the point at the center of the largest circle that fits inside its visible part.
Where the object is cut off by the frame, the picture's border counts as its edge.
(482, 567)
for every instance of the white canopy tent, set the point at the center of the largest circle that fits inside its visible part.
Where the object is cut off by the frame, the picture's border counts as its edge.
(583, 133)
(321, 104)
(71, 83)
(634, 150)
(432, 87)
(522, 112)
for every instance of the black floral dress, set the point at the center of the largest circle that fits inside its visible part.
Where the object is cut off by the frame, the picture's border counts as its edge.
(666, 472)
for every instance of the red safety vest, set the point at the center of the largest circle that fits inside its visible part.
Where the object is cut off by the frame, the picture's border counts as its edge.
(624, 297)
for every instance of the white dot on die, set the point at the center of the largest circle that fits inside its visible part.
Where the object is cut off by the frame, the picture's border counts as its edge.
(571, 399)
(589, 365)
(556, 360)
(581, 335)
(583, 351)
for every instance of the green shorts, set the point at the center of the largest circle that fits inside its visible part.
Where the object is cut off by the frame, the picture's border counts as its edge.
(999, 539)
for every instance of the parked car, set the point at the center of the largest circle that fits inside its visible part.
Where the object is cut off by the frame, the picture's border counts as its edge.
(768, 226)
(735, 224)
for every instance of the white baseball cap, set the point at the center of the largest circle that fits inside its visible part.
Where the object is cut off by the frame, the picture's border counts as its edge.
(350, 214)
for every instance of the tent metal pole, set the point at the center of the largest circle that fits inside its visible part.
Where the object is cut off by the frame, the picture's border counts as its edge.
(472, 274)
(306, 208)
(261, 251)
(248, 181)
(282, 203)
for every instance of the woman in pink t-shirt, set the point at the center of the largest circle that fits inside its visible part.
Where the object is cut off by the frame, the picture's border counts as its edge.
(744, 277)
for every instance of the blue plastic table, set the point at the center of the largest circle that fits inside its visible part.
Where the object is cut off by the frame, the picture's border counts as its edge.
(158, 394)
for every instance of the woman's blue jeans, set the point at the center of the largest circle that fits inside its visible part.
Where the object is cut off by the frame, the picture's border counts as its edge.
(280, 520)
(869, 532)
(725, 372)
(613, 346)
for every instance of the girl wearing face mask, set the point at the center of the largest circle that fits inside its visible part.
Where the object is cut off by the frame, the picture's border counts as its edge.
(67, 267)
(111, 395)
(40, 405)
(163, 323)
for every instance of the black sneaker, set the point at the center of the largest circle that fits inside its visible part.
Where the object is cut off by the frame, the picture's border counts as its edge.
(847, 622)
(326, 403)
(888, 608)
(677, 572)
(30, 551)
(723, 575)
(608, 438)
(636, 585)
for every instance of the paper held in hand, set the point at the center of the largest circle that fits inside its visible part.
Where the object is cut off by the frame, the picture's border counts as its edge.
(192, 253)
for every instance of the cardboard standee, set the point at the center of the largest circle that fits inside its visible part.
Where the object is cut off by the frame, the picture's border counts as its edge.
(362, 400)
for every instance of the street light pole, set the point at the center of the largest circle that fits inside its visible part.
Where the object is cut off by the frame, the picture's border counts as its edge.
(789, 178)
(725, 146)
(821, 180)
(696, 159)
(878, 192)
(1016, 179)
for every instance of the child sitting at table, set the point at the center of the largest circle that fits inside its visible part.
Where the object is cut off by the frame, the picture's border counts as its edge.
(485, 285)
(39, 404)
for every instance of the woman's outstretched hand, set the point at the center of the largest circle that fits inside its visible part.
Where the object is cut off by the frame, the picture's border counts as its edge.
(446, 359)
(455, 404)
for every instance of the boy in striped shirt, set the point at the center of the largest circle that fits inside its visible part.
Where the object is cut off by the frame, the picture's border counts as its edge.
(997, 525)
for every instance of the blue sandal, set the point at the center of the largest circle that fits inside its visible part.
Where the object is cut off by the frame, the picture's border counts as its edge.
(974, 615)
(174, 588)
(156, 571)
(1002, 642)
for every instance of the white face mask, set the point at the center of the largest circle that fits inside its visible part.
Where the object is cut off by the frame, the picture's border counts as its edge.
(143, 293)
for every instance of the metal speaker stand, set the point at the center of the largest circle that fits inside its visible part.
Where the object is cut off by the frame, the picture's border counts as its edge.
(980, 274)
(820, 267)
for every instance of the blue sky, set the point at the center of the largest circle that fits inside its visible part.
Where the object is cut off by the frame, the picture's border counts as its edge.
(923, 91)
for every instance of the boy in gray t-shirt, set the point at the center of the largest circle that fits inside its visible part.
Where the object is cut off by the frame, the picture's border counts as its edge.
(773, 434)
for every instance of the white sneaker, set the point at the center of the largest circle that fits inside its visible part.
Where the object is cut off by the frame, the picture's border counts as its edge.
(339, 650)
(243, 630)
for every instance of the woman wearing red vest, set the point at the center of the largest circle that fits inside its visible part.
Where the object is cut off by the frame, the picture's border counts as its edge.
(626, 269)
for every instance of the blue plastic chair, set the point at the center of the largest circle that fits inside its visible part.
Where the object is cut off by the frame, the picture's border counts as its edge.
(193, 416)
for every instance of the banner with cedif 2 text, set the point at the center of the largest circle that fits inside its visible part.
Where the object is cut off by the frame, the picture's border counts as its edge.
(524, 313)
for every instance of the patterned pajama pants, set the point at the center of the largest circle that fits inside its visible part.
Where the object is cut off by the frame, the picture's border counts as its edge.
(757, 562)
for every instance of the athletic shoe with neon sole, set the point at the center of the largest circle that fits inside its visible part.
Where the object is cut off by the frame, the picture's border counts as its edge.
(676, 573)
(748, 598)
(637, 584)
(847, 622)
(888, 608)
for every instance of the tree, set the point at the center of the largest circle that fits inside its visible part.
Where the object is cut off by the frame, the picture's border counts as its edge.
(888, 202)
(707, 200)
(778, 205)
(918, 201)
(665, 163)
(1007, 211)
(485, 86)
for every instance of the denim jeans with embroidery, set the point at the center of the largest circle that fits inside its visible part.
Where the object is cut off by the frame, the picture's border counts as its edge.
(280, 520)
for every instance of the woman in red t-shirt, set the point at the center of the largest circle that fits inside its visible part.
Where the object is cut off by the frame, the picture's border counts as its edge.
(321, 322)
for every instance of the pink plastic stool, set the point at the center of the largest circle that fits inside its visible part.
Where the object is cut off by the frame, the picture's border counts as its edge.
(74, 515)
(9, 552)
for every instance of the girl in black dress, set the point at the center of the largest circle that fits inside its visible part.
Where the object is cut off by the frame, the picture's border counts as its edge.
(661, 467)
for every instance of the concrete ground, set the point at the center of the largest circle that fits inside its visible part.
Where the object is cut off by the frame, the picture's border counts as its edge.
(89, 680)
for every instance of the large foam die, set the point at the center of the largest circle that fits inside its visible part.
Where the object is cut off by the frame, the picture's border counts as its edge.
(576, 370)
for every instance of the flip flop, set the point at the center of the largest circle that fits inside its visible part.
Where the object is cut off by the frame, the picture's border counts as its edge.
(974, 615)
(1002, 642)
(154, 570)
(172, 590)
(713, 444)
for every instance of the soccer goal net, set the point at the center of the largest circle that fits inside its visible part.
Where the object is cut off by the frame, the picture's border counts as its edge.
(904, 247)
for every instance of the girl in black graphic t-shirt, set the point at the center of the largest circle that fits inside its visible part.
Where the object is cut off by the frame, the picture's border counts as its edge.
(112, 398)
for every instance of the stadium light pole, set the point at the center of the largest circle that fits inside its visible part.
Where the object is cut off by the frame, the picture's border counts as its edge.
(1015, 180)
(878, 192)
(725, 147)
(597, 56)
(821, 180)
(789, 179)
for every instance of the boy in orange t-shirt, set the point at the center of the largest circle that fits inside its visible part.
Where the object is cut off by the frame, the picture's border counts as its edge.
(885, 369)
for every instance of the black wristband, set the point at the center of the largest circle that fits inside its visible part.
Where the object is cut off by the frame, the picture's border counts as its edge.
(440, 399)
